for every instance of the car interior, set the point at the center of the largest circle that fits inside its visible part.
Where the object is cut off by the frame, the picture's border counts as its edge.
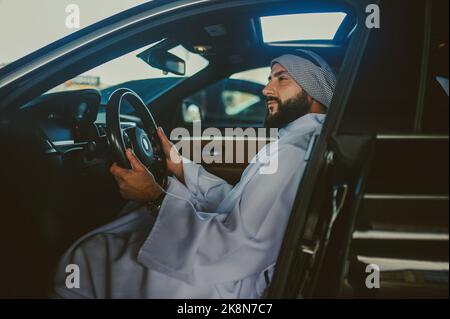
(57, 164)
(56, 184)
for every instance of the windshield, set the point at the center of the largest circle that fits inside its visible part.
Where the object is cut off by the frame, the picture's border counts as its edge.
(38, 23)
(132, 72)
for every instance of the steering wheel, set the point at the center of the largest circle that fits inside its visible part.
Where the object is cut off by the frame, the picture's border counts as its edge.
(144, 142)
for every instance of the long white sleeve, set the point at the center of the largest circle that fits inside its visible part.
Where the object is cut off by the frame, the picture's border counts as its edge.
(206, 188)
(226, 247)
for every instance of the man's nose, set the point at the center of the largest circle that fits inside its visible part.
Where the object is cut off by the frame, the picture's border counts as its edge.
(268, 90)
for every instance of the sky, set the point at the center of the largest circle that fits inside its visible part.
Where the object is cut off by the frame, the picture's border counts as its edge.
(27, 25)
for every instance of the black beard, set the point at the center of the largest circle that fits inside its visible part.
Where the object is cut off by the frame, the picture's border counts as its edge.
(288, 111)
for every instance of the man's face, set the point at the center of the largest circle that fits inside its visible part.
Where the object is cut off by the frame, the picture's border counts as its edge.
(285, 99)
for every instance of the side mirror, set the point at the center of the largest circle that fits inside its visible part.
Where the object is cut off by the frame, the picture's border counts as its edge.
(163, 60)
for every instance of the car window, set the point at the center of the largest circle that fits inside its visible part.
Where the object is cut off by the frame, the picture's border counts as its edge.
(232, 102)
(133, 73)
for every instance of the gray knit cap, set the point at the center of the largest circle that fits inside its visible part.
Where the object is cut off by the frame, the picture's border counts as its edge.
(318, 81)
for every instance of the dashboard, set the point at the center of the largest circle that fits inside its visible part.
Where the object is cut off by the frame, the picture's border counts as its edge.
(64, 118)
(71, 121)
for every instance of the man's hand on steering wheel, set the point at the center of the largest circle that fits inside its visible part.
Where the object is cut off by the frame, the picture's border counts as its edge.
(173, 158)
(144, 155)
(136, 184)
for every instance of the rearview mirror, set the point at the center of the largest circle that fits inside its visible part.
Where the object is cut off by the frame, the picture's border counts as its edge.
(163, 60)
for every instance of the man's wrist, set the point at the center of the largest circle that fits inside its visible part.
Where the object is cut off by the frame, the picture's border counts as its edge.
(158, 201)
(154, 205)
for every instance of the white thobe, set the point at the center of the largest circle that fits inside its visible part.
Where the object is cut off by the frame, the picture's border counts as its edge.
(210, 240)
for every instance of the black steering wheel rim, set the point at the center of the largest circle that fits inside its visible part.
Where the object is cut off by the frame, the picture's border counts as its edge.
(145, 144)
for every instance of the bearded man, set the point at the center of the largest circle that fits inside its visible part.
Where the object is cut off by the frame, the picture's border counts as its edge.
(208, 239)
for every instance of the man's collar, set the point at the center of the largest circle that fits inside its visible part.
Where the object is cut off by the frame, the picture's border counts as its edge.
(305, 120)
